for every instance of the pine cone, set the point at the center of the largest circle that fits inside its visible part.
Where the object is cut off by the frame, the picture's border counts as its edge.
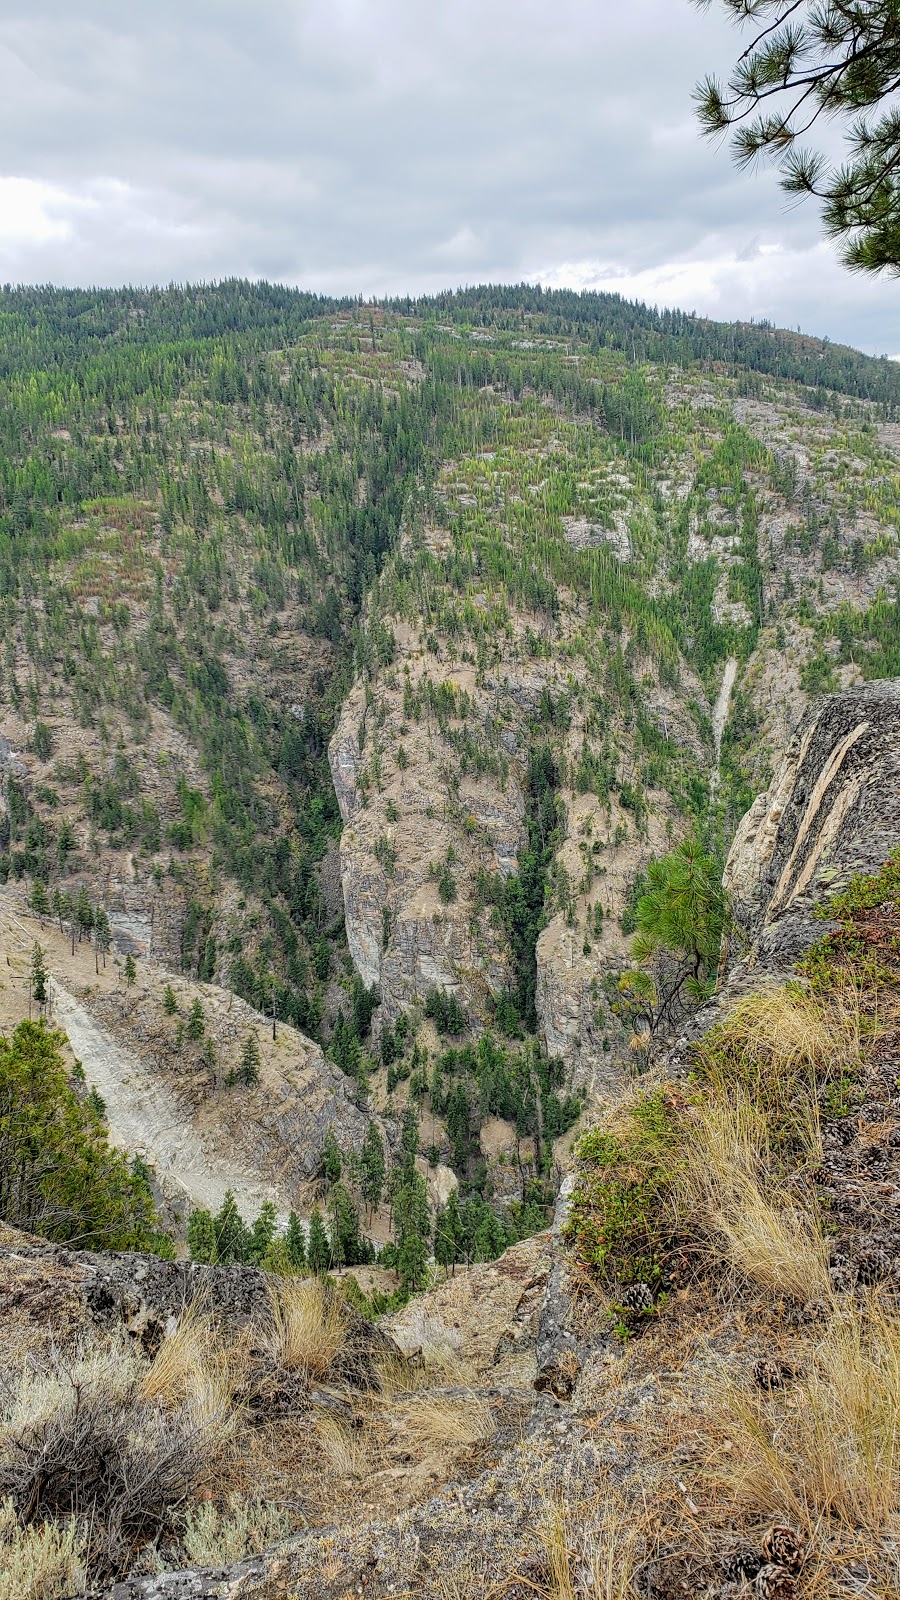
(873, 1265)
(739, 1562)
(775, 1583)
(843, 1275)
(773, 1374)
(636, 1297)
(784, 1547)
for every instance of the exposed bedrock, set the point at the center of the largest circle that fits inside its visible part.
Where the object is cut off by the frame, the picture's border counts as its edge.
(832, 811)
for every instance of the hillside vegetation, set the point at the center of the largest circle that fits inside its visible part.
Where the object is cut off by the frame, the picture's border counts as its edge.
(496, 553)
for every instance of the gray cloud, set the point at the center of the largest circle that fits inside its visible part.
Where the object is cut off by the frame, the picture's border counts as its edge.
(375, 146)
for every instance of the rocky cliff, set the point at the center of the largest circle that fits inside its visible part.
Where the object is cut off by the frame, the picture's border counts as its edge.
(832, 811)
(431, 764)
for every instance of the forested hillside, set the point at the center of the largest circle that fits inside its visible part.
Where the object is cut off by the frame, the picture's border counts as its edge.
(499, 550)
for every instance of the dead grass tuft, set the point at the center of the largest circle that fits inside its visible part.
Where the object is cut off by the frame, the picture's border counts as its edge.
(193, 1368)
(831, 1447)
(453, 1422)
(346, 1450)
(791, 1035)
(751, 1218)
(309, 1324)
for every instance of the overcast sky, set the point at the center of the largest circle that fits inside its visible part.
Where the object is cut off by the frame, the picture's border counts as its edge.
(378, 146)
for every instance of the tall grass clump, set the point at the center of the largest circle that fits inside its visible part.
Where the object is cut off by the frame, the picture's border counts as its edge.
(308, 1325)
(834, 1450)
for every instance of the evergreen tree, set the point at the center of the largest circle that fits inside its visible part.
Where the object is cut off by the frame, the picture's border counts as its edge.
(262, 1233)
(295, 1240)
(318, 1253)
(40, 900)
(248, 1067)
(448, 1232)
(196, 1022)
(84, 913)
(130, 969)
(201, 1237)
(40, 977)
(344, 1227)
(102, 935)
(232, 1234)
(58, 1175)
(170, 1004)
(331, 1157)
(373, 1168)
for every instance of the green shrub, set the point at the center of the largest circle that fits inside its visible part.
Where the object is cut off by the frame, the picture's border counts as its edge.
(621, 1222)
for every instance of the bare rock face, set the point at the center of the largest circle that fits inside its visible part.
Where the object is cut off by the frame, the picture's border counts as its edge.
(832, 811)
(430, 764)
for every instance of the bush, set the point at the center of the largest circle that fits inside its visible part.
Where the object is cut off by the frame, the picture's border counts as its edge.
(621, 1221)
(214, 1538)
(38, 1563)
(92, 1434)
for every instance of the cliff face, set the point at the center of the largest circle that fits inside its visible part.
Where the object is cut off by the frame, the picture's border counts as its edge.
(431, 768)
(832, 811)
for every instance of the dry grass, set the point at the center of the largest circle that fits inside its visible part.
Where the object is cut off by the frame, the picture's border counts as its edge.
(752, 1219)
(346, 1450)
(38, 1563)
(792, 1035)
(309, 1322)
(193, 1368)
(399, 1374)
(451, 1422)
(831, 1447)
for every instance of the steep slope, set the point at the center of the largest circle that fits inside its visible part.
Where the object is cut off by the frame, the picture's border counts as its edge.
(174, 1100)
(719, 1425)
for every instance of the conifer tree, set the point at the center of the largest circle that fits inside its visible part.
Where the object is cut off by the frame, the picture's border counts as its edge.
(40, 900)
(40, 978)
(331, 1157)
(248, 1066)
(373, 1168)
(318, 1253)
(201, 1237)
(262, 1233)
(295, 1239)
(196, 1022)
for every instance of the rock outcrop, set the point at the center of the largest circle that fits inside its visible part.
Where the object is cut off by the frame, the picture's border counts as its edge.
(832, 811)
(430, 764)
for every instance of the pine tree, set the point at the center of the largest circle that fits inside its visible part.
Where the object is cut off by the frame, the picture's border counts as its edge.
(331, 1157)
(201, 1237)
(448, 1232)
(232, 1235)
(196, 1022)
(170, 1004)
(295, 1240)
(373, 1168)
(248, 1067)
(40, 900)
(318, 1253)
(84, 913)
(130, 969)
(40, 977)
(411, 1227)
(345, 1240)
(102, 935)
(262, 1232)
